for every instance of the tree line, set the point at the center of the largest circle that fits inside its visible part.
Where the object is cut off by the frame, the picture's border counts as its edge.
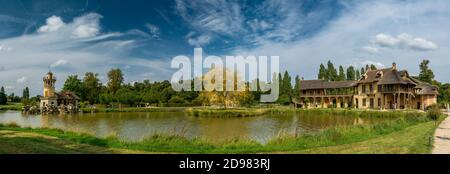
(330, 73)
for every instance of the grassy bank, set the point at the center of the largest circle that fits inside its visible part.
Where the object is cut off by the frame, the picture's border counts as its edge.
(410, 130)
(11, 107)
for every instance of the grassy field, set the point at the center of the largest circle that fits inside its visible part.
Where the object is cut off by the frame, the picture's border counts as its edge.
(404, 135)
(11, 107)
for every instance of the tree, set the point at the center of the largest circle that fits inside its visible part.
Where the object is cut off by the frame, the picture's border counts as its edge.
(92, 87)
(322, 73)
(331, 72)
(75, 85)
(367, 67)
(26, 93)
(296, 92)
(426, 74)
(363, 71)
(115, 80)
(341, 74)
(373, 67)
(287, 86)
(3, 99)
(351, 74)
(2, 90)
(357, 75)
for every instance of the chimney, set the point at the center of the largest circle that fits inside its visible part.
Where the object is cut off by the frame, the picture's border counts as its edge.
(394, 66)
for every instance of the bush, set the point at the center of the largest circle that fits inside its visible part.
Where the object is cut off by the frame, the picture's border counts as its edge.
(284, 100)
(176, 100)
(434, 112)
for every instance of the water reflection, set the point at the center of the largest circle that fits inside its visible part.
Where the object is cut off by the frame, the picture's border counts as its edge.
(138, 126)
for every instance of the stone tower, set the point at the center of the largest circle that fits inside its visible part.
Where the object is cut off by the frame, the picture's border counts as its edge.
(49, 85)
(49, 98)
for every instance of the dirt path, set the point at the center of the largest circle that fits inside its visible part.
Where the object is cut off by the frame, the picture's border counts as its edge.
(442, 138)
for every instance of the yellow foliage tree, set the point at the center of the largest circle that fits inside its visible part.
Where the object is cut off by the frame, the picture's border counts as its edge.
(232, 92)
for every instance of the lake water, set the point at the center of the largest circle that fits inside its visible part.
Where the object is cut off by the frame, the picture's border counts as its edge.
(140, 125)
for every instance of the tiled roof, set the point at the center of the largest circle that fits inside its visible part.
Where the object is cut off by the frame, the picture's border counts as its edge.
(321, 84)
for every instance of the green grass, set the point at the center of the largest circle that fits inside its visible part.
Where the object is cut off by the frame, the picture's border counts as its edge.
(412, 140)
(11, 107)
(410, 132)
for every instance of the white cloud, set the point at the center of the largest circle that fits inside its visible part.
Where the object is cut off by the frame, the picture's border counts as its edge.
(87, 26)
(198, 40)
(22, 79)
(59, 63)
(5, 48)
(54, 23)
(368, 62)
(259, 25)
(220, 17)
(153, 29)
(405, 41)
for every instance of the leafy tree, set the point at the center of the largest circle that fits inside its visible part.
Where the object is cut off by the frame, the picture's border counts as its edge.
(426, 74)
(331, 72)
(26, 93)
(2, 90)
(177, 100)
(92, 87)
(115, 80)
(296, 92)
(75, 85)
(3, 99)
(341, 74)
(287, 85)
(373, 67)
(351, 74)
(322, 73)
(357, 75)
(367, 68)
(363, 71)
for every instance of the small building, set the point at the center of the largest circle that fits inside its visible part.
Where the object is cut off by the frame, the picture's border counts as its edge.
(53, 101)
(387, 88)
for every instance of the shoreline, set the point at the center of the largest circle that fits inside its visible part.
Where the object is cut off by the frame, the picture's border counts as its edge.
(328, 138)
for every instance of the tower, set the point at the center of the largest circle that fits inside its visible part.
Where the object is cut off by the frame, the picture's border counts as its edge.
(49, 85)
(49, 98)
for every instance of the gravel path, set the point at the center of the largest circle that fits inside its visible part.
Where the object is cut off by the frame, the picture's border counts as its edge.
(442, 138)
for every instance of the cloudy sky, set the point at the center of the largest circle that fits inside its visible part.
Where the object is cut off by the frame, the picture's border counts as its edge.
(141, 37)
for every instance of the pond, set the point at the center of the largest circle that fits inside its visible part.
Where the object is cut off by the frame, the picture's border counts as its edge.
(135, 126)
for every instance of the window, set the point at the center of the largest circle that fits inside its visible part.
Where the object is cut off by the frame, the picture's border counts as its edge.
(363, 89)
(380, 88)
(379, 102)
(371, 88)
(364, 104)
(357, 103)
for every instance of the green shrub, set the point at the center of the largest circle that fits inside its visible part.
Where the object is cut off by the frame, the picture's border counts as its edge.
(434, 112)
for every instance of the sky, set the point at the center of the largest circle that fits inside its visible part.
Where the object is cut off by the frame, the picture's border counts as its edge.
(141, 37)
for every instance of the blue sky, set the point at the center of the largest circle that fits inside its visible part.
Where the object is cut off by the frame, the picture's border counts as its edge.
(141, 37)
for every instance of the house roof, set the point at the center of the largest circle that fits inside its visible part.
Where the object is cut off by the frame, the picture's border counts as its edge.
(386, 76)
(425, 88)
(322, 84)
